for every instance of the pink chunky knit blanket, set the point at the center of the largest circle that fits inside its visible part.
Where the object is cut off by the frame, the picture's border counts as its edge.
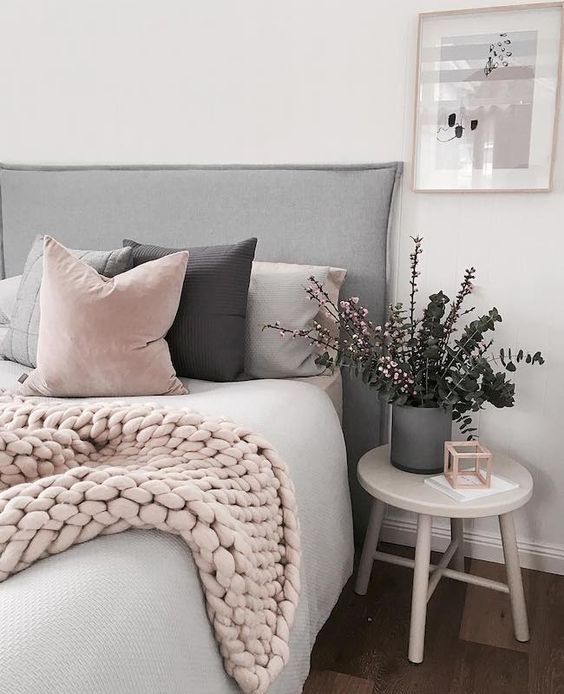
(71, 472)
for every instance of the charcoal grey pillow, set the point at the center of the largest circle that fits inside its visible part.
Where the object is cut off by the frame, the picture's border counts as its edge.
(207, 338)
(20, 342)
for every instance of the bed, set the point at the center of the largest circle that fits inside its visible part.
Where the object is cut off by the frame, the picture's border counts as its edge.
(138, 591)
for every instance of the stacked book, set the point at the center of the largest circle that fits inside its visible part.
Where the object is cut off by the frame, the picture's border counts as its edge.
(498, 486)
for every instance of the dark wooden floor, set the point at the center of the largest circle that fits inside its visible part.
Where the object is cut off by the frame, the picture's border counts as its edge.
(469, 646)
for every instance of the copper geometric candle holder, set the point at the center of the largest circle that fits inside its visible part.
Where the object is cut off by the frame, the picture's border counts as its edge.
(468, 465)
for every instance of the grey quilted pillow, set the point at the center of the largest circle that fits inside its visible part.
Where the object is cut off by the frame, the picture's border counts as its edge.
(20, 343)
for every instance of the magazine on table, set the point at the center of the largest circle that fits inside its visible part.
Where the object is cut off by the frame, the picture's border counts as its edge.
(498, 485)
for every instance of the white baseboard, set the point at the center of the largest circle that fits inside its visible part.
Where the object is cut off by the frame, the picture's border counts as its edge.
(479, 545)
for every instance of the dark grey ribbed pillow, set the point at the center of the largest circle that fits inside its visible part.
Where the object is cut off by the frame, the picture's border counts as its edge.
(207, 338)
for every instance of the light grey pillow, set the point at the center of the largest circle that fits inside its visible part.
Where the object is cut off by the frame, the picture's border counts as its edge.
(276, 293)
(8, 292)
(20, 342)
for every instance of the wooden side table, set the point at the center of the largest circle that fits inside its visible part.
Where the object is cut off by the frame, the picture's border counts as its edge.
(387, 485)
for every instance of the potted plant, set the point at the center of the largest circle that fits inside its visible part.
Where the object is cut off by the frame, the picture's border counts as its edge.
(433, 368)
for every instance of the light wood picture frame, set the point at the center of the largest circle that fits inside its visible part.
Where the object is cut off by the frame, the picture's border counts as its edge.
(487, 98)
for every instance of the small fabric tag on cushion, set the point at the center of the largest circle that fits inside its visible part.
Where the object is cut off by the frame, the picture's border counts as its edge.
(22, 378)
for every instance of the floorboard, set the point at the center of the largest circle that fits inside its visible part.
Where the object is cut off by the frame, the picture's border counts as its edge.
(337, 683)
(480, 669)
(487, 613)
(546, 648)
(470, 649)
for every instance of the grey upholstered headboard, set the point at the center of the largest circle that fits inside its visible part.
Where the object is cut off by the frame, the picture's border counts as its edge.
(335, 215)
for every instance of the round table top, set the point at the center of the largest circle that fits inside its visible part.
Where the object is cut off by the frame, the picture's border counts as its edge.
(408, 491)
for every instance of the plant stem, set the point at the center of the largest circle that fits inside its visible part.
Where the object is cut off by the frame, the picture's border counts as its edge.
(414, 257)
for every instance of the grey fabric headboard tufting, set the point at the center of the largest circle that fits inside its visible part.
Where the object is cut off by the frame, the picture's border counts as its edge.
(330, 215)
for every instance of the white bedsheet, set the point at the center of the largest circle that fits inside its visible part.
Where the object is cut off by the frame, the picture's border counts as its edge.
(124, 614)
(330, 383)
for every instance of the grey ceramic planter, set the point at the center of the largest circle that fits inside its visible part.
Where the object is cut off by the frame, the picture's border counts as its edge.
(418, 436)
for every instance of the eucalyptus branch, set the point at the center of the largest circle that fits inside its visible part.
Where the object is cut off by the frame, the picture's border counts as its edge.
(482, 325)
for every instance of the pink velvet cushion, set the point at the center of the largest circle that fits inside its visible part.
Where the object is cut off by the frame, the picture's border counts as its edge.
(103, 337)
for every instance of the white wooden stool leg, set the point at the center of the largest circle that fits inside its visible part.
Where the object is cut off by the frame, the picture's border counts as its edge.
(457, 533)
(514, 578)
(370, 543)
(420, 588)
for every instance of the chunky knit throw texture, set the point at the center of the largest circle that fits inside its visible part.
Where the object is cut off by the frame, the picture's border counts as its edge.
(71, 472)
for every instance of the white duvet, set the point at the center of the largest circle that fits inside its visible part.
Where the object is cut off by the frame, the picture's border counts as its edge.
(138, 592)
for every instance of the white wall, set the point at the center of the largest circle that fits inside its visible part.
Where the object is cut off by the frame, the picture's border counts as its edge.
(214, 81)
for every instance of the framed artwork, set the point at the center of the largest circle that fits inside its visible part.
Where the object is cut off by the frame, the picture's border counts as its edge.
(487, 97)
